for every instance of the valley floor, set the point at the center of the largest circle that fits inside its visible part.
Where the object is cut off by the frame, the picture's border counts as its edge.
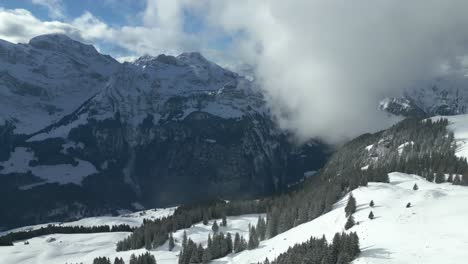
(431, 231)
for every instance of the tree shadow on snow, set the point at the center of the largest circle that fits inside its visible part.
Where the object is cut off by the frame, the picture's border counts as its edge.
(371, 252)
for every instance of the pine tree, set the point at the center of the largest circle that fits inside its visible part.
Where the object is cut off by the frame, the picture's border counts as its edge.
(261, 228)
(229, 243)
(253, 239)
(440, 178)
(133, 259)
(456, 180)
(171, 242)
(351, 205)
(205, 218)
(408, 205)
(224, 221)
(371, 215)
(349, 223)
(371, 204)
(206, 256)
(415, 187)
(237, 241)
(119, 261)
(215, 227)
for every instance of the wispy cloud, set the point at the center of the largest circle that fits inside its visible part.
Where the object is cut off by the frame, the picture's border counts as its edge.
(54, 7)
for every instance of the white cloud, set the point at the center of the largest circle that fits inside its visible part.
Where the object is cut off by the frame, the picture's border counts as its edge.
(54, 7)
(19, 25)
(326, 63)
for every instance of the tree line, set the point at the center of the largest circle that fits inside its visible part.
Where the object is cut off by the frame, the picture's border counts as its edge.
(8, 239)
(343, 249)
(145, 258)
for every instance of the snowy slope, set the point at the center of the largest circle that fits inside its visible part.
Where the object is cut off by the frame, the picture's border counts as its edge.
(76, 248)
(458, 124)
(432, 231)
(132, 219)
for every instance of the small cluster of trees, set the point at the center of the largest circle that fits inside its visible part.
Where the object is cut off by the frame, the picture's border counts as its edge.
(343, 249)
(104, 260)
(154, 233)
(8, 239)
(220, 245)
(145, 258)
(350, 209)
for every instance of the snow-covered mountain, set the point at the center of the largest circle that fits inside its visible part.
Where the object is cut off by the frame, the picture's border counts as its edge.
(102, 135)
(46, 79)
(446, 95)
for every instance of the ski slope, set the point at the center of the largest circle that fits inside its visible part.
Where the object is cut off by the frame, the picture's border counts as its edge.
(432, 231)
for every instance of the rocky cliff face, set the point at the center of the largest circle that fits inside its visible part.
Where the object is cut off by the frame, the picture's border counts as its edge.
(163, 130)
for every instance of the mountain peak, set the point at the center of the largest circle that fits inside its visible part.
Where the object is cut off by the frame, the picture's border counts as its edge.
(61, 42)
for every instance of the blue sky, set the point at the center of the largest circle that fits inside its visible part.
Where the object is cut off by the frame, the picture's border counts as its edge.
(102, 23)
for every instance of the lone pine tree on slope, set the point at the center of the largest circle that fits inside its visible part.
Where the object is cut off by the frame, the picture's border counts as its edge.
(351, 205)
(371, 204)
(415, 187)
(371, 215)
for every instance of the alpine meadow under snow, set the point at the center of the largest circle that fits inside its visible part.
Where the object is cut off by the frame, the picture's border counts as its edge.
(430, 231)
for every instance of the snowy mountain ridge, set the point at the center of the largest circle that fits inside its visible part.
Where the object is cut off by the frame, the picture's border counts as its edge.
(72, 118)
(445, 95)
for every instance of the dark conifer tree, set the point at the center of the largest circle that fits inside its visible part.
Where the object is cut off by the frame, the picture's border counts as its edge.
(206, 256)
(229, 243)
(261, 228)
(349, 223)
(440, 178)
(215, 227)
(371, 215)
(205, 218)
(408, 205)
(171, 242)
(371, 204)
(415, 187)
(119, 261)
(253, 239)
(237, 241)
(224, 221)
(351, 205)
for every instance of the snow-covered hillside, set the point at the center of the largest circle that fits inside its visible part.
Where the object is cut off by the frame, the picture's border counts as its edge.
(134, 219)
(431, 231)
(77, 248)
